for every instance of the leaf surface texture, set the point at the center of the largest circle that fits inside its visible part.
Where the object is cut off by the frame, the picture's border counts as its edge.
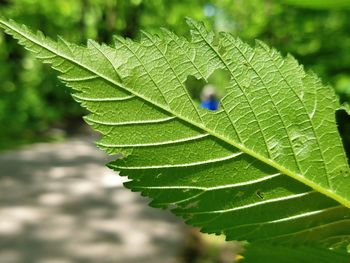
(269, 165)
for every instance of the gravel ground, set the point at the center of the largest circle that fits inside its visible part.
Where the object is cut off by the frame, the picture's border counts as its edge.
(60, 204)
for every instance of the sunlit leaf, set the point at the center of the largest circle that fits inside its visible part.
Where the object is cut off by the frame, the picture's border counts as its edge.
(268, 165)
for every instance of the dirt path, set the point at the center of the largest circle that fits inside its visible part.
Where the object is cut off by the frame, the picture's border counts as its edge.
(59, 204)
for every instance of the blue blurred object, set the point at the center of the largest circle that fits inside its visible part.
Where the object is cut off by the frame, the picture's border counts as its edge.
(209, 99)
(211, 104)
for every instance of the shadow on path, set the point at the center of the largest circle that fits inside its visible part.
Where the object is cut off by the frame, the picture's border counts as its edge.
(60, 204)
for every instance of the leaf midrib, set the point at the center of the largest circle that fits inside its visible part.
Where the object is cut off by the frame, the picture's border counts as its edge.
(244, 149)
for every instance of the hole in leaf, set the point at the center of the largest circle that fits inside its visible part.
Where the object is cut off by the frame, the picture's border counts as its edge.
(207, 94)
(343, 124)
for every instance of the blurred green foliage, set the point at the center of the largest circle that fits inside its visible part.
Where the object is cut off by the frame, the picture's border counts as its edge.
(32, 100)
(320, 4)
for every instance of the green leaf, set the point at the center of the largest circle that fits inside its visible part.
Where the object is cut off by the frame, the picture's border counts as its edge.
(269, 165)
(262, 253)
